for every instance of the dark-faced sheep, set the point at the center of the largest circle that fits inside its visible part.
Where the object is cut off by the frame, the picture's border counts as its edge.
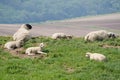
(99, 35)
(23, 33)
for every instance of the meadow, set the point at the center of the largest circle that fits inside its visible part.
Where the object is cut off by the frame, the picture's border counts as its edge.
(65, 60)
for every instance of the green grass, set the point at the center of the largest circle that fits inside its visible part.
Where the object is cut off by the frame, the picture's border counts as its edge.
(65, 61)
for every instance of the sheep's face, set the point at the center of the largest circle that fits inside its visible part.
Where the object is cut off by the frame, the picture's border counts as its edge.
(87, 55)
(42, 45)
(111, 35)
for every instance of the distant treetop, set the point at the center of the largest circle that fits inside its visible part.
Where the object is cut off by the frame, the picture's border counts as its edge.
(23, 11)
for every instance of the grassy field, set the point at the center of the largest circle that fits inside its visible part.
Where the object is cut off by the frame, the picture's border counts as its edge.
(65, 61)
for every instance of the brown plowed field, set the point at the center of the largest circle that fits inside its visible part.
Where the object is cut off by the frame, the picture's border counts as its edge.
(76, 27)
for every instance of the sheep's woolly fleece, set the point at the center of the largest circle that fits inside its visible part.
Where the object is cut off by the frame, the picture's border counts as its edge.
(23, 33)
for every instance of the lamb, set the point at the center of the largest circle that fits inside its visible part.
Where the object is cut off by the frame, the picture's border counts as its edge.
(61, 36)
(99, 35)
(96, 56)
(13, 44)
(23, 33)
(34, 50)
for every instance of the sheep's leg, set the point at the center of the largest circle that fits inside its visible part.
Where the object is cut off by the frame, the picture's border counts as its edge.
(31, 54)
(40, 52)
(10, 48)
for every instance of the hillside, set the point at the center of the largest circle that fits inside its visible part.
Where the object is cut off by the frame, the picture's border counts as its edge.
(65, 60)
(77, 26)
(27, 11)
(107, 17)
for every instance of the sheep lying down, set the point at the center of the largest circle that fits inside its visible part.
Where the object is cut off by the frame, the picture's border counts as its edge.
(13, 44)
(61, 36)
(99, 35)
(35, 50)
(96, 56)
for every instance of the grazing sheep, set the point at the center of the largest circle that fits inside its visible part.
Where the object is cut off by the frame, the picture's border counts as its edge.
(13, 44)
(96, 56)
(34, 50)
(23, 33)
(99, 35)
(61, 36)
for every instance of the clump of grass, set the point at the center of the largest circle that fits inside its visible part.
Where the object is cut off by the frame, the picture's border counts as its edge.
(3, 39)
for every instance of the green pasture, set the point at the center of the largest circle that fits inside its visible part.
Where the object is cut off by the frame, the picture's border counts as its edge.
(65, 61)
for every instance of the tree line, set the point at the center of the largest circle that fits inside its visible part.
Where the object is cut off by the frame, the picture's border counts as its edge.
(24, 11)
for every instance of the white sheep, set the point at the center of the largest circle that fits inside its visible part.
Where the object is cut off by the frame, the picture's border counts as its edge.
(99, 35)
(61, 36)
(23, 33)
(96, 35)
(13, 44)
(34, 50)
(96, 56)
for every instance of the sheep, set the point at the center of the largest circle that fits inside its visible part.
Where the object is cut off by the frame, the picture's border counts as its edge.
(61, 36)
(99, 35)
(23, 33)
(13, 44)
(34, 50)
(96, 56)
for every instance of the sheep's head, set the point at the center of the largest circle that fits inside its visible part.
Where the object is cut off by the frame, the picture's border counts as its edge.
(69, 36)
(112, 35)
(26, 26)
(41, 45)
(88, 54)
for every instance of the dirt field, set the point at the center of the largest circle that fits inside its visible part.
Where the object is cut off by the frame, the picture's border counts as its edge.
(76, 27)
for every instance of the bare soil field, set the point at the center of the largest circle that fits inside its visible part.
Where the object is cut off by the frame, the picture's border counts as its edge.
(77, 27)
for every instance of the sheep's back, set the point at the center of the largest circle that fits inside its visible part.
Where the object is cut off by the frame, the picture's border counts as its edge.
(97, 56)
